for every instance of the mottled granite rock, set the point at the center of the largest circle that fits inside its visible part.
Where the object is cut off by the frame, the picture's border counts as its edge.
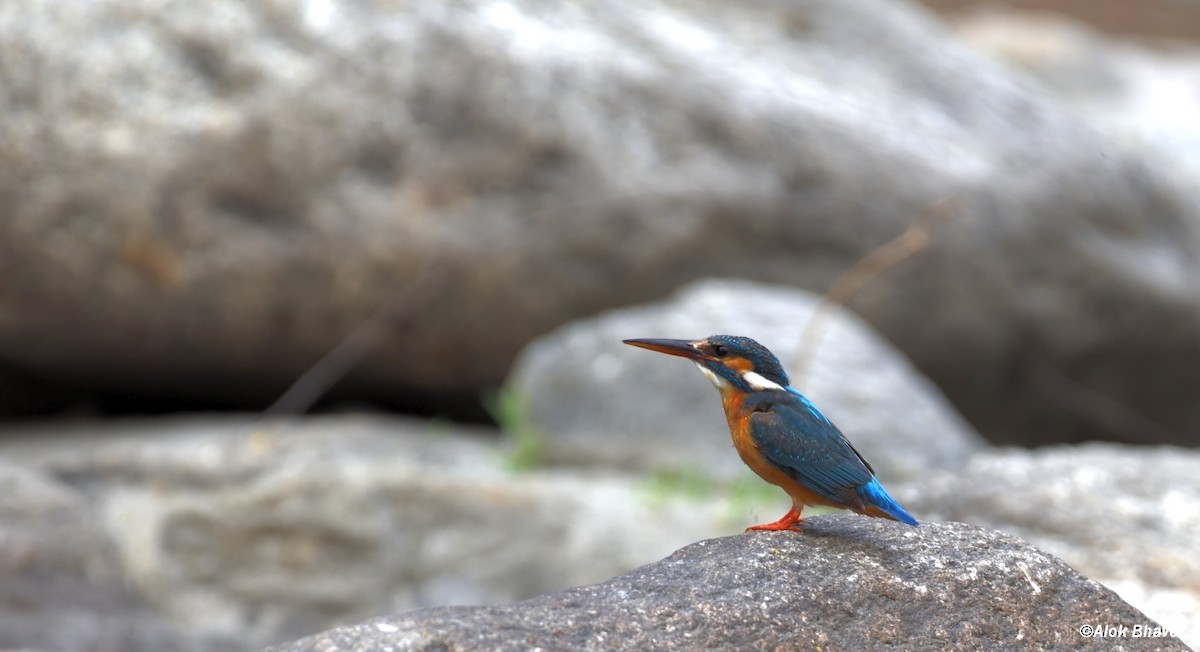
(847, 583)
(1124, 515)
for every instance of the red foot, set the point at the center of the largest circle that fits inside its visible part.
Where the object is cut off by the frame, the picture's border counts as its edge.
(789, 521)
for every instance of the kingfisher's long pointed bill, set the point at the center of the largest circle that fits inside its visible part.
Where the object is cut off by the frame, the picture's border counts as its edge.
(681, 348)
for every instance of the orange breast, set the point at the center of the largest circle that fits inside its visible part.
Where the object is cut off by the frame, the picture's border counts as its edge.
(739, 428)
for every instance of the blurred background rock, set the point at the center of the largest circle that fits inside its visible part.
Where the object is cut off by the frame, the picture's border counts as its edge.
(469, 204)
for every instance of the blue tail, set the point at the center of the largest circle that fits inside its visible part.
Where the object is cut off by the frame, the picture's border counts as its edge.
(873, 493)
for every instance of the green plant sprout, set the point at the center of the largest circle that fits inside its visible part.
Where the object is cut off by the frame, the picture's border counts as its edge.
(510, 410)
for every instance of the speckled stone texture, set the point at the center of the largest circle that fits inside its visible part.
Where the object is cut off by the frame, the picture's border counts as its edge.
(1124, 515)
(847, 583)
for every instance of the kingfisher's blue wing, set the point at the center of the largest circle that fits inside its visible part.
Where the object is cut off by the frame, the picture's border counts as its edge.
(795, 437)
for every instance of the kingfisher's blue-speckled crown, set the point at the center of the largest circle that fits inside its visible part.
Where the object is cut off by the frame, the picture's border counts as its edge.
(727, 348)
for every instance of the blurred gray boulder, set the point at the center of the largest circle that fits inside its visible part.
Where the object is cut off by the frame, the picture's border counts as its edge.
(847, 583)
(1139, 93)
(62, 585)
(201, 203)
(263, 531)
(594, 400)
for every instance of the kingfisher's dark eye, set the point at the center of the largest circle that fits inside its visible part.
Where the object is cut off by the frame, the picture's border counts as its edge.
(720, 351)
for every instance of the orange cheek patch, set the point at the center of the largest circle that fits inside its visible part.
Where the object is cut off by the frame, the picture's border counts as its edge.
(740, 365)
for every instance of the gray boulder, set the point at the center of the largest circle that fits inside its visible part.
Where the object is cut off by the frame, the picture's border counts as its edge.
(1139, 93)
(1124, 515)
(847, 583)
(202, 204)
(264, 531)
(62, 586)
(595, 400)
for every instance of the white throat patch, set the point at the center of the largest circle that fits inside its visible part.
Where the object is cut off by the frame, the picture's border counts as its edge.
(759, 382)
(754, 379)
(716, 380)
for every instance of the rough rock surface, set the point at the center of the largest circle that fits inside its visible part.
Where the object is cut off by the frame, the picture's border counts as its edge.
(945, 586)
(61, 581)
(270, 530)
(1126, 516)
(598, 401)
(204, 202)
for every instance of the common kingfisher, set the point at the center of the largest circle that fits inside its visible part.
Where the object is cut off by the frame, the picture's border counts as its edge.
(780, 434)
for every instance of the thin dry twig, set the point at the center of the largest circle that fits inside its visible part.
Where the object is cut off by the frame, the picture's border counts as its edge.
(335, 365)
(908, 244)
